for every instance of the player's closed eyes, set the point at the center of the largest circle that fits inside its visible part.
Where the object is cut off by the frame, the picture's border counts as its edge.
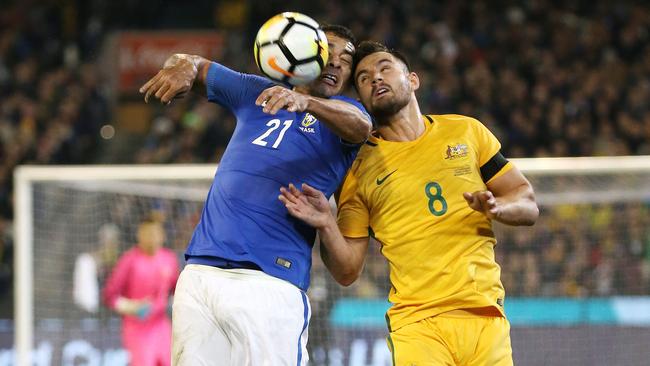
(362, 79)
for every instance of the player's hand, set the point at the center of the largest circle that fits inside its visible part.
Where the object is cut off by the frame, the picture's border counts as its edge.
(310, 205)
(138, 308)
(277, 97)
(483, 201)
(144, 309)
(173, 81)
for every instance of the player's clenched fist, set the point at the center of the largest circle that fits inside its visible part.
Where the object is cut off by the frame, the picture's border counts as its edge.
(174, 80)
(277, 97)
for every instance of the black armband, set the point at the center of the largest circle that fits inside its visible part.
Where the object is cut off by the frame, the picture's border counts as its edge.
(493, 166)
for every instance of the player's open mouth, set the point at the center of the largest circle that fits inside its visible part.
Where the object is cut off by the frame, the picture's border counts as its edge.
(380, 91)
(329, 79)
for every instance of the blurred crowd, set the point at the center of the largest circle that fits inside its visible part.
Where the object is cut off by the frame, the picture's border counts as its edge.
(579, 251)
(549, 78)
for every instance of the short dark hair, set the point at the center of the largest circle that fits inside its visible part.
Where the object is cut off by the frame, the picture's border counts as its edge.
(341, 31)
(366, 48)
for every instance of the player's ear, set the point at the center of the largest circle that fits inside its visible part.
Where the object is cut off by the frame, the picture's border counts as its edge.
(414, 80)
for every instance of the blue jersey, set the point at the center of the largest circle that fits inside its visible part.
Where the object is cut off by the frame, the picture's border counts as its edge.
(243, 220)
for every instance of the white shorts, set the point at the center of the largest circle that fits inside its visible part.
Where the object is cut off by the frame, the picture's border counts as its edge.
(238, 317)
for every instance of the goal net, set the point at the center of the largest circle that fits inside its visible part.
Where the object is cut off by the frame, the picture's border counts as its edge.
(577, 283)
(72, 224)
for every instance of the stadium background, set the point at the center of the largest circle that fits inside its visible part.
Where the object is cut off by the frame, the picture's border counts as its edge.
(549, 78)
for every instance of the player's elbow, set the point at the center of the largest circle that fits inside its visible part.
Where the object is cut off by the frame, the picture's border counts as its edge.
(526, 210)
(358, 131)
(526, 216)
(362, 131)
(346, 278)
(532, 210)
(365, 129)
(532, 216)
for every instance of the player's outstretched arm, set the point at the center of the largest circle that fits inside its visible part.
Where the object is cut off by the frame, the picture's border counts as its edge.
(510, 199)
(179, 73)
(344, 119)
(343, 257)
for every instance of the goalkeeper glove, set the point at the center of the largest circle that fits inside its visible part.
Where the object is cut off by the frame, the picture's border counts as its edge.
(136, 308)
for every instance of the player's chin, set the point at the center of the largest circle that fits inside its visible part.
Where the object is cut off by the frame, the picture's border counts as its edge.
(384, 107)
(326, 89)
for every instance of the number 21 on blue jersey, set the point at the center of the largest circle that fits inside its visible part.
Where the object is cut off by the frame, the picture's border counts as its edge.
(273, 125)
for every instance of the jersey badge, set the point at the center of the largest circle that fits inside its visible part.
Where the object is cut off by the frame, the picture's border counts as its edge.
(307, 123)
(456, 151)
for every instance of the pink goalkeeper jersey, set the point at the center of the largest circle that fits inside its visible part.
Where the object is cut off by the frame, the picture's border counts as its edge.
(140, 276)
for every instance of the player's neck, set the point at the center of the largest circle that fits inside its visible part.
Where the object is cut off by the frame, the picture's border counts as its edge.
(147, 250)
(405, 125)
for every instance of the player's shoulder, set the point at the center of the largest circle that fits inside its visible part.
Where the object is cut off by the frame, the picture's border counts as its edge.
(364, 159)
(131, 253)
(168, 252)
(458, 123)
(453, 119)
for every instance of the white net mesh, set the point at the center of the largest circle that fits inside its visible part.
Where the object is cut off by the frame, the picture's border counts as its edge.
(577, 283)
(80, 229)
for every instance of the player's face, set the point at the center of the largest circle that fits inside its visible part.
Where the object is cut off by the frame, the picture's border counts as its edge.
(336, 73)
(151, 237)
(384, 84)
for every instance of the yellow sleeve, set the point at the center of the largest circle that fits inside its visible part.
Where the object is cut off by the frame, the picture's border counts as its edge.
(353, 218)
(489, 151)
(488, 145)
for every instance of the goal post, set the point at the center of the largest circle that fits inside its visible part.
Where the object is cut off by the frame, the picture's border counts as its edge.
(59, 211)
(24, 179)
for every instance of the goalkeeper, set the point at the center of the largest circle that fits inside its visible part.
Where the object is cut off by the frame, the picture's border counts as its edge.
(138, 289)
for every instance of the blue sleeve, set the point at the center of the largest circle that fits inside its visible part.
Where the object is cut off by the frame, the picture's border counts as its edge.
(232, 89)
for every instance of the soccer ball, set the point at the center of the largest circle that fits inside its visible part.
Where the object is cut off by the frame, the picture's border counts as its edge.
(291, 48)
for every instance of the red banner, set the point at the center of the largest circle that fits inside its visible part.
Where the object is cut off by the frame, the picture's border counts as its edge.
(142, 54)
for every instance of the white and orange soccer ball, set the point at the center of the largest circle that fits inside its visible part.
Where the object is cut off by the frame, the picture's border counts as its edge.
(291, 48)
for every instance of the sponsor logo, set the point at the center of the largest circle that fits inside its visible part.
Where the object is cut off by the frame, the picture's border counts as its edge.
(382, 180)
(274, 65)
(283, 262)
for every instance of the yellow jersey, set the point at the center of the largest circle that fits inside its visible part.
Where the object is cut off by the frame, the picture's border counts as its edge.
(409, 196)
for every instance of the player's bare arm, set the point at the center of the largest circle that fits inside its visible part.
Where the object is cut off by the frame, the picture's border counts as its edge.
(344, 119)
(510, 199)
(179, 73)
(343, 256)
